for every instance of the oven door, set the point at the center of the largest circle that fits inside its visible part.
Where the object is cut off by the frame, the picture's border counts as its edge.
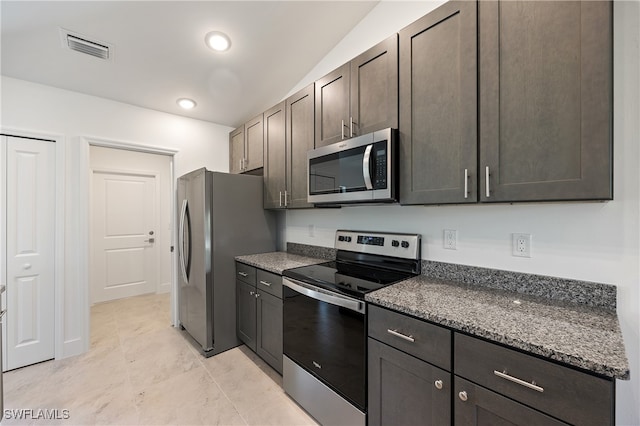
(355, 170)
(325, 334)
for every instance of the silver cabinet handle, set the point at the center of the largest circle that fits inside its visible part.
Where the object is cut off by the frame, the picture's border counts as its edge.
(280, 198)
(257, 295)
(463, 396)
(531, 385)
(342, 129)
(265, 283)
(486, 178)
(466, 183)
(438, 384)
(400, 335)
(242, 274)
(350, 126)
(285, 198)
(251, 293)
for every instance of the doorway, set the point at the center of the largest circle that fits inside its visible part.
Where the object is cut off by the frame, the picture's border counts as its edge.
(130, 223)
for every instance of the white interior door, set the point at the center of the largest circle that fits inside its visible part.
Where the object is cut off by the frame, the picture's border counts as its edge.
(123, 248)
(30, 247)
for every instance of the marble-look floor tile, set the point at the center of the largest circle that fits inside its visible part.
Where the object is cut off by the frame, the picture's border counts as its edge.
(141, 371)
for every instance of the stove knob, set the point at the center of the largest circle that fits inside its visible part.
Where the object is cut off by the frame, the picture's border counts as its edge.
(340, 238)
(348, 239)
(395, 243)
(405, 244)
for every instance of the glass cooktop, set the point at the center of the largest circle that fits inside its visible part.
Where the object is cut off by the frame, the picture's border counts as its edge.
(346, 278)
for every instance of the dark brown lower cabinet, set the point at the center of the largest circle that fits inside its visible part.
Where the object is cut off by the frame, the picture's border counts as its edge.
(246, 313)
(259, 313)
(404, 390)
(269, 329)
(477, 406)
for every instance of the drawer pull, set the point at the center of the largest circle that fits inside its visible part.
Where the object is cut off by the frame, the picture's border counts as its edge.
(438, 384)
(532, 385)
(400, 335)
(265, 283)
(242, 274)
(463, 396)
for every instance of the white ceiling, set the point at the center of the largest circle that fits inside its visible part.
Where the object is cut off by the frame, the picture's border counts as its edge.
(160, 54)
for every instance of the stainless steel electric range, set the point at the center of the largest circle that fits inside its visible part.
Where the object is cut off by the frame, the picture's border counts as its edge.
(325, 321)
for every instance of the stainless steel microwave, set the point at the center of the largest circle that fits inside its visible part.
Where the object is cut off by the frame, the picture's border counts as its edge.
(357, 170)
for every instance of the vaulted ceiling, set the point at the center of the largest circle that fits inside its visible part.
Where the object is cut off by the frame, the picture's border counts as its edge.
(158, 53)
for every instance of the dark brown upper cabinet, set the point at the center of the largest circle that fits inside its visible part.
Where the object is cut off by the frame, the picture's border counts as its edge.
(545, 75)
(359, 97)
(300, 132)
(275, 177)
(288, 135)
(236, 150)
(246, 147)
(438, 106)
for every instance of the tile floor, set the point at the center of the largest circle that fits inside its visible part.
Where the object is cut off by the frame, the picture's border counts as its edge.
(142, 371)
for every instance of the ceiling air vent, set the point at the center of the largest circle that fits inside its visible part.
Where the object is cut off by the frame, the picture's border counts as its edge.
(83, 44)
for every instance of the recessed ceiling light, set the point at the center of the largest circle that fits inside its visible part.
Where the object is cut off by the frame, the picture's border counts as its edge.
(217, 41)
(186, 103)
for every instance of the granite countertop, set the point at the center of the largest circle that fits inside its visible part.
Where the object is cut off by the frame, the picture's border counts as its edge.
(582, 336)
(278, 261)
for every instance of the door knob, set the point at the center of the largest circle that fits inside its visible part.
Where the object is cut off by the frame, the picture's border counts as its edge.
(26, 266)
(150, 232)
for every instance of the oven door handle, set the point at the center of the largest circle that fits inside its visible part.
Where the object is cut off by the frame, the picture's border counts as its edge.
(324, 296)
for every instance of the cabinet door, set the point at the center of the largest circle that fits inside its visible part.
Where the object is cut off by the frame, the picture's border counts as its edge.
(438, 106)
(477, 406)
(246, 313)
(545, 100)
(236, 150)
(269, 323)
(300, 139)
(275, 157)
(332, 106)
(374, 89)
(404, 390)
(254, 138)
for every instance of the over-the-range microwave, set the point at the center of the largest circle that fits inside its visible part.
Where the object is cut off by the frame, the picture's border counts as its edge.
(358, 170)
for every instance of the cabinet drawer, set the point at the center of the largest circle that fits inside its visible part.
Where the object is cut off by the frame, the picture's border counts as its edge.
(269, 282)
(413, 336)
(563, 392)
(246, 273)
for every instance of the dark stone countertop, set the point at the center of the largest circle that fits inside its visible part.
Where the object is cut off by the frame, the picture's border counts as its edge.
(579, 335)
(278, 261)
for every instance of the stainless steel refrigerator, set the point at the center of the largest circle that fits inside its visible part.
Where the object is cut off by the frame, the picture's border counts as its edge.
(220, 216)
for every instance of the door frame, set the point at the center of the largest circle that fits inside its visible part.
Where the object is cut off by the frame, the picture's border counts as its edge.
(61, 347)
(85, 213)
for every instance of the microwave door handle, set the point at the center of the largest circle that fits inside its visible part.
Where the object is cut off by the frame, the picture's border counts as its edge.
(366, 168)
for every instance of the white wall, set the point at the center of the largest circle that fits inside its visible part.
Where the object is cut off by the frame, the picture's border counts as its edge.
(588, 241)
(75, 118)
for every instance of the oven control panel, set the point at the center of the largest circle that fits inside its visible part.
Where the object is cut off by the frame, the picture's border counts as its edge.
(386, 244)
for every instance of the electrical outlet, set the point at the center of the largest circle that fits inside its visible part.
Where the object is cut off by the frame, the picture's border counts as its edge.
(450, 239)
(521, 245)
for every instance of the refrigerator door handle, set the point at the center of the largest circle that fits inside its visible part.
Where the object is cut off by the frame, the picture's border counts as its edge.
(181, 259)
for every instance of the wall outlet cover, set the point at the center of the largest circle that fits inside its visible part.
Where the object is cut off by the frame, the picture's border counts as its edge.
(521, 245)
(450, 239)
